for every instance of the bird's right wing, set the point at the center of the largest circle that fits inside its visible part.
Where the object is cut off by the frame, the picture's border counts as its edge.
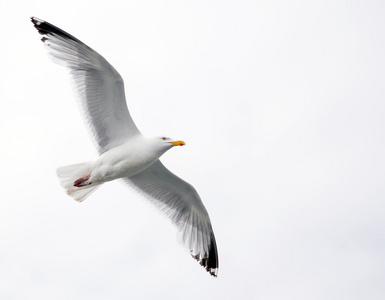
(99, 86)
(182, 204)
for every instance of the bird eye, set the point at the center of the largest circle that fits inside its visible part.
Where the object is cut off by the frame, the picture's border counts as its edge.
(163, 138)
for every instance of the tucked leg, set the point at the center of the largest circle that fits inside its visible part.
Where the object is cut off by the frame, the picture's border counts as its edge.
(82, 181)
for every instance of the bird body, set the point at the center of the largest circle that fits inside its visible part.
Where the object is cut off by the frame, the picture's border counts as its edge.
(124, 153)
(125, 160)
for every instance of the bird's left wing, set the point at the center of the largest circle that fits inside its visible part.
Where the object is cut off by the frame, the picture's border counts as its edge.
(99, 86)
(182, 204)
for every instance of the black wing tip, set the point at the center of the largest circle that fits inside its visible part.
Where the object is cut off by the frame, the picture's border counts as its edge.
(205, 263)
(35, 20)
(45, 28)
(40, 25)
(210, 263)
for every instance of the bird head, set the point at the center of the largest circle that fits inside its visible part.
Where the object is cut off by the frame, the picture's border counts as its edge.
(162, 144)
(171, 142)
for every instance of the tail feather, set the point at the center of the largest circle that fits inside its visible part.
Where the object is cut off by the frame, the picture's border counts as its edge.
(69, 174)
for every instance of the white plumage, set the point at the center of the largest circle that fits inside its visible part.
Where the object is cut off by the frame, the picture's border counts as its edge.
(124, 152)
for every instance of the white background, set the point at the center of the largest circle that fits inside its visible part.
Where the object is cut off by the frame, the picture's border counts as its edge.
(281, 104)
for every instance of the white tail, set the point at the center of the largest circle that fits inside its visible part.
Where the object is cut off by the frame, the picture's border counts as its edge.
(69, 174)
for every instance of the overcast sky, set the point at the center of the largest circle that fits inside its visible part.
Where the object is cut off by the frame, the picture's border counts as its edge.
(281, 105)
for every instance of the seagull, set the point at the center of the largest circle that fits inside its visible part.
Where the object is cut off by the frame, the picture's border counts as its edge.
(124, 153)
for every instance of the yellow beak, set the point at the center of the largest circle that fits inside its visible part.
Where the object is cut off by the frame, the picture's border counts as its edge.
(178, 143)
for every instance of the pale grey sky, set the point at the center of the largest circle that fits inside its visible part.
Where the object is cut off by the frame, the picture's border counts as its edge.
(281, 104)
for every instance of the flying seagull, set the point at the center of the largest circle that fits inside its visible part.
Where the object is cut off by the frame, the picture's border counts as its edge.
(124, 153)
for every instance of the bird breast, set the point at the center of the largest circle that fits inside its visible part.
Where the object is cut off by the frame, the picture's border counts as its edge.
(123, 161)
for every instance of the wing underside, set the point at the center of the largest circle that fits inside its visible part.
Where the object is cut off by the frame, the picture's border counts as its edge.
(98, 85)
(182, 204)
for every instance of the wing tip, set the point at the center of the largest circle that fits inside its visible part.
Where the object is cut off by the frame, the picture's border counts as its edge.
(45, 28)
(38, 24)
(204, 262)
(36, 21)
(210, 263)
